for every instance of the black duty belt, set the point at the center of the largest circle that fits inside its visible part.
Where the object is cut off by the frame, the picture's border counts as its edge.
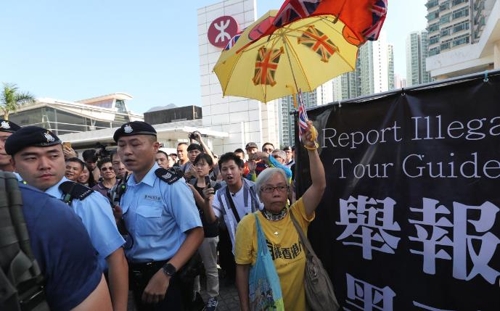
(147, 266)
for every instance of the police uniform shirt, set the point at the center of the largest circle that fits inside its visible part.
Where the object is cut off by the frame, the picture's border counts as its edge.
(62, 249)
(245, 201)
(97, 217)
(157, 215)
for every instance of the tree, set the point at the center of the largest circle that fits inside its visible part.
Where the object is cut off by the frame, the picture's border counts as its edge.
(11, 99)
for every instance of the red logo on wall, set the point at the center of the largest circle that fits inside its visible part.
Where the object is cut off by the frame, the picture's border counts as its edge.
(222, 30)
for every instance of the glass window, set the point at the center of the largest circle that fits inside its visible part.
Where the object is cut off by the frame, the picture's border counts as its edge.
(120, 106)
(445, 19)
(461, 13)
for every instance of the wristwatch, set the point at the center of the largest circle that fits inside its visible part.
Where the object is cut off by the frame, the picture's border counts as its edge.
(169, 269)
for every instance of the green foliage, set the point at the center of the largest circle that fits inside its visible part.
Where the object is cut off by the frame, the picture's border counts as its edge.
(11, 99)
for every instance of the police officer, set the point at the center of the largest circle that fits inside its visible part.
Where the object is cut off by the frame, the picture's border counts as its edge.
(37, 155)
(6, 129)
(161, 217)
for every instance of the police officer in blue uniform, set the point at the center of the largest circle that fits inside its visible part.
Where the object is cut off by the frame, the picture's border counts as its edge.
(6, 129)
(38, 158)
(64, 253)
(161, 217)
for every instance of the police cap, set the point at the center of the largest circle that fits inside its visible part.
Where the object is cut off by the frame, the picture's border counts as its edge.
(134, 128)
(30, 136)
(8, 126)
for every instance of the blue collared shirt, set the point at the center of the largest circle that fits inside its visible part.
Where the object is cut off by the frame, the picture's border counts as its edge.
(97, 217)
(157, 215)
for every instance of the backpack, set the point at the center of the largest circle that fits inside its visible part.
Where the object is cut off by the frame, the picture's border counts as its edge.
(21, 281)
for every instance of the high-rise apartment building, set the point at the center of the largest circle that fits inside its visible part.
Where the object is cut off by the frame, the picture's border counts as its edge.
(463, 37)
(322, 95)
(454, 23)
(416, 53)
(374, 71)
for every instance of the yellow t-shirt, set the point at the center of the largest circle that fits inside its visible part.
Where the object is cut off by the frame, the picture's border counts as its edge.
(284, 245)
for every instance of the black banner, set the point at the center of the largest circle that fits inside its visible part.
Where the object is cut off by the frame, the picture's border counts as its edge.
(410, 219)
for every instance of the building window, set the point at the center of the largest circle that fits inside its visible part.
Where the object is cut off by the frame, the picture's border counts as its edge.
(433, 27)
(461, 40)
(431, 4)
(445, 45)
(461, 13)
(445, 19)
(461, 26)
(445, 31)
(120, 106)
(444, 6)
(433, 39)
(432, 16)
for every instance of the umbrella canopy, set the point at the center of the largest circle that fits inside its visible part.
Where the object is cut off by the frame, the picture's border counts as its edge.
(301, 55)
(364, 17)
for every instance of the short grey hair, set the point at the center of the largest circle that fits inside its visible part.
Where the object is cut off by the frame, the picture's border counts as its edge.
(267, 174)
(280, 153)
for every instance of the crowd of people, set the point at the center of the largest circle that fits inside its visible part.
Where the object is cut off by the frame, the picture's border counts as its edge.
(148, 213)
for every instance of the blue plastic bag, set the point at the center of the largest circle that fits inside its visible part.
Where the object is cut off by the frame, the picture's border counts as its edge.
(264, 284)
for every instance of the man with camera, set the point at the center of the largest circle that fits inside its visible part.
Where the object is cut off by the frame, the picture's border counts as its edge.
(90, 157)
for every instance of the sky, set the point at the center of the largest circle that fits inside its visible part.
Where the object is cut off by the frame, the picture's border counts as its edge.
(72, 50)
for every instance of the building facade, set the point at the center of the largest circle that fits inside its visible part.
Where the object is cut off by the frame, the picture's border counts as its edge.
(454, 23)
(464, 37)
(374, 72)
(243, 119)
(88, 115)
(417, 50)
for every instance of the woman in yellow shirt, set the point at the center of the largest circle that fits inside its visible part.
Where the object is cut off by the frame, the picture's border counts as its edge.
(282, 238)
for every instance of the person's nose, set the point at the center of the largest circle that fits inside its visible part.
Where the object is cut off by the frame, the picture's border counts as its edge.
(43, 163)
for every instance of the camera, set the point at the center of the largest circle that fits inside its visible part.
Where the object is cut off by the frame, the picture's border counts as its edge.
(102, 152)
(194, 135)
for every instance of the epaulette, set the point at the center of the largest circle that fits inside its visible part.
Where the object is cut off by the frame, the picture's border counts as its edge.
(170, 175)
(72, 190)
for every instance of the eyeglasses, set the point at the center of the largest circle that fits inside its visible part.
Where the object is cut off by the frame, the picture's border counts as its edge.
(106, 169)
(267, 150)
(270, 189)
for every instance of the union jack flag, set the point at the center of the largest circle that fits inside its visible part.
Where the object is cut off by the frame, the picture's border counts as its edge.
(379, 11)
(318, 42)
(232, 42)
(266, 65)
(293, 10)
(302, 116)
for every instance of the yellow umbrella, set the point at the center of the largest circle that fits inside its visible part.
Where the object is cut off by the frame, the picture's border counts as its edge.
(301, 55)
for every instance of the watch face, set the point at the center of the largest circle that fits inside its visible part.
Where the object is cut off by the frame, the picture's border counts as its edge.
(169, 269)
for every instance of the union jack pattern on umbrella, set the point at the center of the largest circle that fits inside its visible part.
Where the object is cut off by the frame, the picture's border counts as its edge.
(266, 65)
(302, 116)
(318, 42)
(379, 11)
(293, 10)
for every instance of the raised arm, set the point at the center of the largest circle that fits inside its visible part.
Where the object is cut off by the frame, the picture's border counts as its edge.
(312, 196)
(207, 205)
